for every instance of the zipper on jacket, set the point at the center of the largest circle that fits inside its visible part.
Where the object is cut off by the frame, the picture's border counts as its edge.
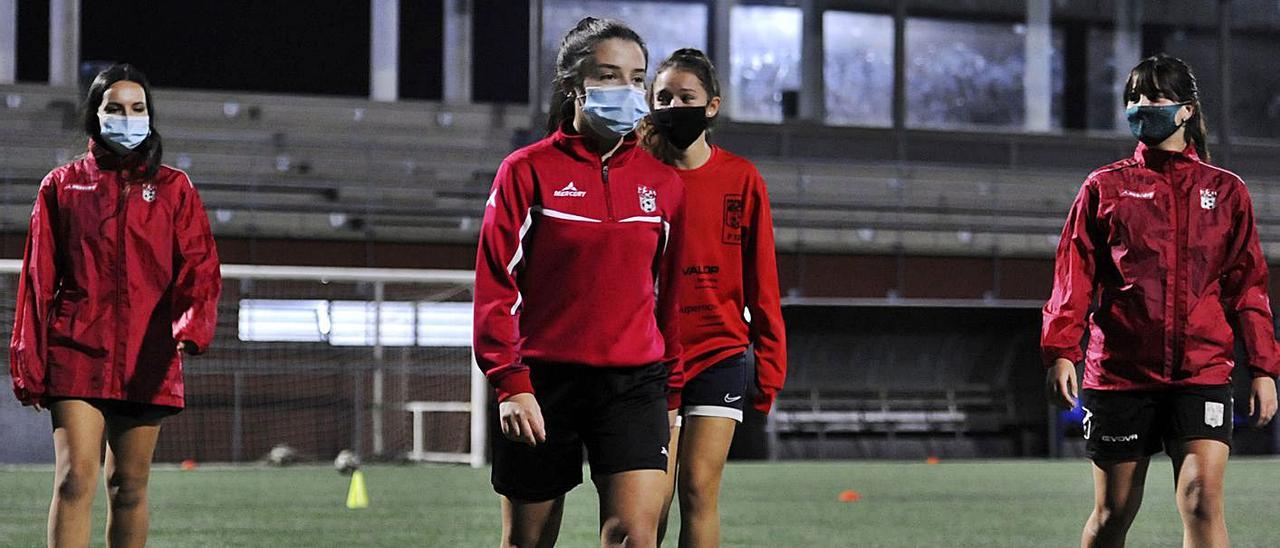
(608, 198)
(1179, 245)
(121, 220)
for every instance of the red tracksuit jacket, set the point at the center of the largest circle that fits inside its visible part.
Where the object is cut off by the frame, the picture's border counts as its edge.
(1168, 246)
(576, 263)
(116, 271)
(727, 266)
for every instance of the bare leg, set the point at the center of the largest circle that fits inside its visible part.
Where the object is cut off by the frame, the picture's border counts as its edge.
(1198, 476)
(1117, 487)
(77, 442)
(701, 468)
(672, 457)
(531, 524)
(630, 504)
(130, 446)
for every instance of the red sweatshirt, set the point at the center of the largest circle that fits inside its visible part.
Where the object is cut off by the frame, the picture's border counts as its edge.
(727, 266)
(576, 263)
(1168, 246)
(116, 272)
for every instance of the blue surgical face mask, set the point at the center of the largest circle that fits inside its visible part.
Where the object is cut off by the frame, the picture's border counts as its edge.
(126, 131)
(614, 111)
(1153, 124)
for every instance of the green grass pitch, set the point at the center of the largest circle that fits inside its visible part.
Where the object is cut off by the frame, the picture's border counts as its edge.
(952, 504)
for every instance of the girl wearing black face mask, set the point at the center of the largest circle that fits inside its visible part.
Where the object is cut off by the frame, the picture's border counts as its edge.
(1168, 246)
(727, 265)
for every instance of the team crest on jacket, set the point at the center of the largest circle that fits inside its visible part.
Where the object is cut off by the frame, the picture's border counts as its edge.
(1208, 198)
(648, 199)
(149, 193)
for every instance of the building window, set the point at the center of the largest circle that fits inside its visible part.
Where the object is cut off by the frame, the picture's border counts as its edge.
(664, 26)
(858, 68)
(764, 50)
(971, 74)
(356, 323)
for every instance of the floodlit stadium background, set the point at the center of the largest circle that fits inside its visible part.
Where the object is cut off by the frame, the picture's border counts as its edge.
(921, 156)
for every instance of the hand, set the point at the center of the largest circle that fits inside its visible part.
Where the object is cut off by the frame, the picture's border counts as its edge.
(521, 419)
(1062, 384)
(1262, 400)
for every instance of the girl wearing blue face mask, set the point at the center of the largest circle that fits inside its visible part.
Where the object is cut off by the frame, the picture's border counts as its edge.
(575, 302)
(119, 278)
(1160, 259)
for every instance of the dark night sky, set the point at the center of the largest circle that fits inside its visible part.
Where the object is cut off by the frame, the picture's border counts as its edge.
(280, 46)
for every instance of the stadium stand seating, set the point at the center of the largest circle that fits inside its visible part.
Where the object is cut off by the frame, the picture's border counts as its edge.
(286, 166)
(940, 378)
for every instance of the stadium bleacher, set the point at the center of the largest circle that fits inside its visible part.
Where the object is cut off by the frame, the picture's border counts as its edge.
(342, 168)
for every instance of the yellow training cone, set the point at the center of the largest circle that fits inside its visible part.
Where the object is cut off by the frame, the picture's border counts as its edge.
(357, 496)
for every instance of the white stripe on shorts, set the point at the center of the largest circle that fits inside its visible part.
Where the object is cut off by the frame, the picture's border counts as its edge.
(714, 411)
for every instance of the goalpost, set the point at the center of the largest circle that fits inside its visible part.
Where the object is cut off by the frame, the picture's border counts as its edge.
(320, 359)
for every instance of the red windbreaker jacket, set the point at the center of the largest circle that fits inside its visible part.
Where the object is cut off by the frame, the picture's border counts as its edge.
(728, 265)
(1168, 246)
(576, 263)
(116, 271)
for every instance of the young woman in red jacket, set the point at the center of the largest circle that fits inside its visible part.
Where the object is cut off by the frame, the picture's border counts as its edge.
(575, 301)
(1167, 246)
(727, 266)
(120, 276)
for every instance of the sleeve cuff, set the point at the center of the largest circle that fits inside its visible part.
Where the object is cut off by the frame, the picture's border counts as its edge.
(518, 382)
(26, 397)
(1051, 355)
(673, 400)
(763, 402)
(197, 340)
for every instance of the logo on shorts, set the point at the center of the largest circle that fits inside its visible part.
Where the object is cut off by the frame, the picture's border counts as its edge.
(728, 399)
(1086, 422)
(1213, 412)
(1208, 198)
(664, 452)
(1119, 439)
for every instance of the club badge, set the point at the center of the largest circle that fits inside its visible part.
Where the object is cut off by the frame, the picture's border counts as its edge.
(648, 199)
(1208, 198)
(1213, 413)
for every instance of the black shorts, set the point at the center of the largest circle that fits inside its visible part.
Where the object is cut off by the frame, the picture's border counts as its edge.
(717, 391)
(618, 413)
(138, 411)
(1126, 425)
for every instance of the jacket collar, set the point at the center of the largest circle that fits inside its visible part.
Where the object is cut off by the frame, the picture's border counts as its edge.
(99, 158)
(1159, 160)
(567, 139)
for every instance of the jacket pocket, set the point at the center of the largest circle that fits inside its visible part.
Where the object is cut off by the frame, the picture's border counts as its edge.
(70, 331)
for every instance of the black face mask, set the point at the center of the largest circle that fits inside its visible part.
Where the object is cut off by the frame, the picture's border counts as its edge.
(680, 126)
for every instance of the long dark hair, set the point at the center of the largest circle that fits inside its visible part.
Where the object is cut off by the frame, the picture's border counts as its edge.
(1169, 77)
(576, 52)
(693, 61)
(152, 148)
